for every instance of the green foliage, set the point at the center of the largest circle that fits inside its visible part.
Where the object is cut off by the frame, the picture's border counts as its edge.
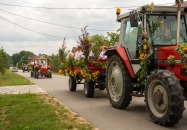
(12, 79)
(86, 43)
(113, 37)
(4, 62)
(102, 65)
(54, 61)
(21, 57)
(144, 62)
(62, 53)
(98, 41)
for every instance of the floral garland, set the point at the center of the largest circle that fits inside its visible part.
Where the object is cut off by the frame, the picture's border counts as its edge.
(66, 69)
(182, 49)
(102, 65)
(144, 62)
(171, 61)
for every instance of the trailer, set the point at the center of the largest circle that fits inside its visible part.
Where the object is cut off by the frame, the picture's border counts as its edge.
(93, 77)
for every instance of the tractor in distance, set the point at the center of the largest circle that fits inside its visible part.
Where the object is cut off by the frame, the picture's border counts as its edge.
(132, 71)
(40, 67)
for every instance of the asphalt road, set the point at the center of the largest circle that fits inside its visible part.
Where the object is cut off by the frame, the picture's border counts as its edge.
(98, 110)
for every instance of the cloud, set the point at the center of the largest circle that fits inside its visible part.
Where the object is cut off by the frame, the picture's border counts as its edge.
(14, 39)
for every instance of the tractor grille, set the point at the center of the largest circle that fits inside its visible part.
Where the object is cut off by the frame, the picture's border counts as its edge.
(183, 72)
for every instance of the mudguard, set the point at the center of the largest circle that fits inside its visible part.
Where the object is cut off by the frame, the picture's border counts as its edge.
(122, 53)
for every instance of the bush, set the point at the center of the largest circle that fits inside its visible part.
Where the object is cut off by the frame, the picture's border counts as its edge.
(3, 61)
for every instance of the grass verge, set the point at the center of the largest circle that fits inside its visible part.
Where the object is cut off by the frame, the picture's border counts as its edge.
(12, 79)
(37, 112)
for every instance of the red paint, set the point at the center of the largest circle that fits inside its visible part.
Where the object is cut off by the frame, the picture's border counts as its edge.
(163, 53)
(123, 55)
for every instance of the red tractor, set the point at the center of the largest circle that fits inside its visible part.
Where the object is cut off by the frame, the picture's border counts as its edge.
(40, 67)
(163, 84)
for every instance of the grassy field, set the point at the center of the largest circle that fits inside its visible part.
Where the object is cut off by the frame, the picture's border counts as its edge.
(37, 112)
(11, 79)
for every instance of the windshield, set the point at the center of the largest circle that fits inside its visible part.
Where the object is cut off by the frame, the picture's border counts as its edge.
(163, 29)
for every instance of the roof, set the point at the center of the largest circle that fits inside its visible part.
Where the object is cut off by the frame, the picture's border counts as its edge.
(157, 9)
(184, 4)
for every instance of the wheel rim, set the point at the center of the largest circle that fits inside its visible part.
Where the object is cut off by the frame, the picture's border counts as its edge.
(157, 98)
(115, 81)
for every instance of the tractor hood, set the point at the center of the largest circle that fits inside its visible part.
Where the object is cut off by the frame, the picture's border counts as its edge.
(164, 52)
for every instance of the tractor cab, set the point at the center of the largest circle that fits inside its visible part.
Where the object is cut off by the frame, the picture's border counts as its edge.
(161, 26)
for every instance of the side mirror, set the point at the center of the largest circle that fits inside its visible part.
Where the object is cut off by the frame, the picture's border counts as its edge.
(133, 19)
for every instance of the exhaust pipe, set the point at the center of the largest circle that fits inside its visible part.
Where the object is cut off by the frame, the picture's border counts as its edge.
(178, 21)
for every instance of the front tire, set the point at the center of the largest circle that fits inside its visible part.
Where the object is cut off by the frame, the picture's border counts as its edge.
(118, 83)
(37, 75)
(89, 88)
(31, 74)
(72, 84)
(164, 98)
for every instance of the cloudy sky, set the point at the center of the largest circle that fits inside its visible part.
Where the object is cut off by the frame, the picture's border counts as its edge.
(21, 33)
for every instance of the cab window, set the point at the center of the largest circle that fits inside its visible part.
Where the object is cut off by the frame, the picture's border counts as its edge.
(130, 38)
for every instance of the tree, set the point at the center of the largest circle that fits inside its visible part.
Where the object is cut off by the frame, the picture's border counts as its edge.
(112, 38)
(21, 57)
(15, 58)
(4, 61)
(98, 41)
(55, 61)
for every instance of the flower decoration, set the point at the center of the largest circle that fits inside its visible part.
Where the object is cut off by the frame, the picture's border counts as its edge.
(67, 70)
(72, 67)
(144, 51)
(182, 50)
(143, 56)
(149, 7)
(171, 61)
(85, 42)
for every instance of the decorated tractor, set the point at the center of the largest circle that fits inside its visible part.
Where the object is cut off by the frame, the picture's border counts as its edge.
(150, 60)
(41, 68)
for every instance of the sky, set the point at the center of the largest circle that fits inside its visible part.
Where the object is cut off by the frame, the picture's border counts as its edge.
(20, 28)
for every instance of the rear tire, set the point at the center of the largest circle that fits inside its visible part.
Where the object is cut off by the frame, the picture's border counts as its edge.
(164, 98)
(50, 75)
(89, 88)
(72, 84)
(118, 83)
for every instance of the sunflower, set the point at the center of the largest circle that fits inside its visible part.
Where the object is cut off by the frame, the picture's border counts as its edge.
(143, 56)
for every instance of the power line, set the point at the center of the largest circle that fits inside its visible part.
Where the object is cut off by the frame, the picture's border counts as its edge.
(73, 8)
(35, 31)
(64, 7)
(52, 23)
